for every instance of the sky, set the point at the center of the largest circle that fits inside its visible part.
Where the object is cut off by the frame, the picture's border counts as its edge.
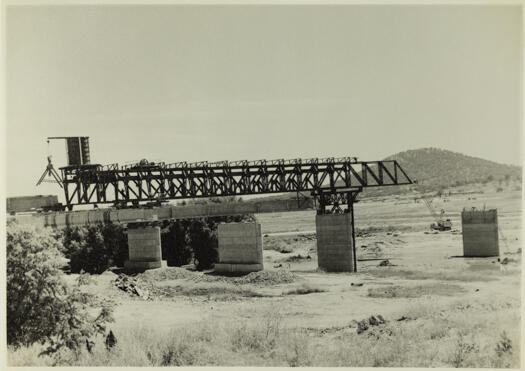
(191, 83)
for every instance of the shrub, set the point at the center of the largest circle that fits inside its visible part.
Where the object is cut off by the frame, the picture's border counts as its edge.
(91, 256)
(116, 242)
(72, 239)
(41, 308)
(95, 248)
(204, 244)
(204, 240)
(175, 245)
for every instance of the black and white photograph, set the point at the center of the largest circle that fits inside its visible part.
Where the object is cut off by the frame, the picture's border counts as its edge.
(261, 184)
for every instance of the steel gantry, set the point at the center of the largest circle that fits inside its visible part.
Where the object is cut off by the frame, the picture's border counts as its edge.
(332, 181)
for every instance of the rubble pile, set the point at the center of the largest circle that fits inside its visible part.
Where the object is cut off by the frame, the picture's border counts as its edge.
(372, 321)
(131, 286)
(168, 273)
(266, 278)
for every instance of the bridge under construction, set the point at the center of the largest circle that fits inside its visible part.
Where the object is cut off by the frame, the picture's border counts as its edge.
(332, 183)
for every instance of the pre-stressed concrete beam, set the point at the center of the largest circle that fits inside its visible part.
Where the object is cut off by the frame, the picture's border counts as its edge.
(124, 216)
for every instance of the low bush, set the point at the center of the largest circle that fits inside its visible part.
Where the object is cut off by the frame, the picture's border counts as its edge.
(95, 248)
(41, 308)
(176, 248)
(204, 243)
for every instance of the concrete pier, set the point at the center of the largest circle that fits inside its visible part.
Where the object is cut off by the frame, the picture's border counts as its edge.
(480, 233)
(144, 249)
(240, 248)
(334, 242)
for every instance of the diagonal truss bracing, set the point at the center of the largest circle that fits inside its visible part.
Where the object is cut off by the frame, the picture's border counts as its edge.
(96, 184)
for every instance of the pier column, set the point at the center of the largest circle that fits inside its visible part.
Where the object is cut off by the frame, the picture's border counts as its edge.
(240, 248)
(480, 233)
(335, 242)
(144, 248)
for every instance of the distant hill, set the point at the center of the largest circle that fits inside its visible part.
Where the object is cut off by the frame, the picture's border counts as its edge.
(438, 168)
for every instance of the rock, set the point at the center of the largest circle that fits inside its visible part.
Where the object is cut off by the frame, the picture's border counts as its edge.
(111, 340)
(362, 326)
(357, 284)
(144, 294)
(89, 345)
(373, 321)
(381, 319)
(385, 263)
(130, 286)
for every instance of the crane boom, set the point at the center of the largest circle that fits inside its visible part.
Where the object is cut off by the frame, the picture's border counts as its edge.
(431, 209)
(440, 223)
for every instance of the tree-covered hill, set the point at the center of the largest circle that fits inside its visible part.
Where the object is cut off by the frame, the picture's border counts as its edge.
(433, 167)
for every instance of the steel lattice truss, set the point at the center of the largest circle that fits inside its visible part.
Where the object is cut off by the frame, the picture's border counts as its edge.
(97, 184)
(337, 202)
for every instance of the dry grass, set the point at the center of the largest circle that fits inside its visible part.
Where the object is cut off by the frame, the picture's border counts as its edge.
(216, 290)
(261, 278)
(305, 288)
(416, 291)
(441, 274)
(287, 244)
(266, 278)
(382, 229)
(429, 340)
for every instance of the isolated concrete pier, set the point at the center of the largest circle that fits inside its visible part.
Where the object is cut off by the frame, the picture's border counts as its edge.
(480, 233)
(240, 248)
(334, 242)
(144, 248)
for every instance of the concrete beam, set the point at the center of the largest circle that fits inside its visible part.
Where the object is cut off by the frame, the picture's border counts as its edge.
(124, 216)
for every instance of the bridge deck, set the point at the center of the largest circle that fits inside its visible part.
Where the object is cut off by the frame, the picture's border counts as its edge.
(124, 216)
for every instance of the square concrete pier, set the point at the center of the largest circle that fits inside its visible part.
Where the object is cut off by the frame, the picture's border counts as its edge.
(480, 233)
(334, 242)
(240, 248)
(144, 249)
